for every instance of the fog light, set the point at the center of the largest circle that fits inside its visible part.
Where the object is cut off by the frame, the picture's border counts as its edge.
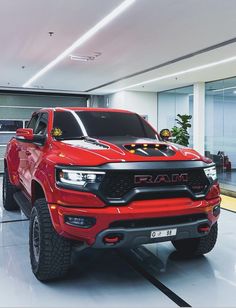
(80, 221)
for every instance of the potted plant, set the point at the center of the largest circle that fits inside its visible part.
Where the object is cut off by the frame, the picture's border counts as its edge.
(180, 132)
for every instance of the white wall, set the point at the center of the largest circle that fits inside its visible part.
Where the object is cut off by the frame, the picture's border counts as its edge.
(143, 103)
(169, 105)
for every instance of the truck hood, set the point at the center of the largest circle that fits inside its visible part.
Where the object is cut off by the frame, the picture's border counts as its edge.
(93, 152)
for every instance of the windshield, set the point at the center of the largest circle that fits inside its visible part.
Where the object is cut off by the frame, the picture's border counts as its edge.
(98, 124)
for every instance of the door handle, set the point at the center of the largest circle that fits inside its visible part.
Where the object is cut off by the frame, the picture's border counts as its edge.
(28, 153)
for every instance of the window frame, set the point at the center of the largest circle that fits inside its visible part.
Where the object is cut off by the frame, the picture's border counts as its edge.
(40, 114)
(33, 115)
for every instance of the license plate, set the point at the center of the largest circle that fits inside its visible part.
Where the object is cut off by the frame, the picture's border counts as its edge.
(163, 233)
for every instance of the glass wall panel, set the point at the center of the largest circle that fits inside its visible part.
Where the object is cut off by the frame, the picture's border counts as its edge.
(172, 102)
(220, 136)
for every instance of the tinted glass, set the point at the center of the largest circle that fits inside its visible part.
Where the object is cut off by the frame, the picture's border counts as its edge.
(42, 124)
(10, 125)
(33, 121)
(99, 124)
(68, 124)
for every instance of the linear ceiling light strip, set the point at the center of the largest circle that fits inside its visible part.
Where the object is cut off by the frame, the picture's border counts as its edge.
(222, 89)
(184, 57)
(105, 21)
(190, 70)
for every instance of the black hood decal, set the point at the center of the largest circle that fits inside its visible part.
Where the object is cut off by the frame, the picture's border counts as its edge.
(142, 147)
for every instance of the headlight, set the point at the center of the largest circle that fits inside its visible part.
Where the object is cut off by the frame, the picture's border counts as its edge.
(79, 178)
(211, 173)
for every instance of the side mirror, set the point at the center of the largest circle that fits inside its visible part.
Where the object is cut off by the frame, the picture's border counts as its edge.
(27, 135)
(165, 134)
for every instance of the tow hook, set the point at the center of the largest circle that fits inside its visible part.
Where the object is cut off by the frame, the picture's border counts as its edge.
(204, 228)
(112, 239)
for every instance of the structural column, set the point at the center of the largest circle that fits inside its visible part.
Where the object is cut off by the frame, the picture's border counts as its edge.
(199, 117)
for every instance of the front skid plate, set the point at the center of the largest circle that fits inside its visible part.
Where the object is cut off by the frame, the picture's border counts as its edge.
(138, 236)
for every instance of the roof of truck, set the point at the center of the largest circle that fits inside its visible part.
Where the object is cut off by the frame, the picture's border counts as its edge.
(84, 109)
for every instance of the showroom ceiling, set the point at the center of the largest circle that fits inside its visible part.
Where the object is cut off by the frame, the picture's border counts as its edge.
(144, 35)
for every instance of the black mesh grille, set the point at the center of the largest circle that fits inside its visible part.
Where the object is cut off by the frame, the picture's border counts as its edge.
(116, 184)
(155, 222)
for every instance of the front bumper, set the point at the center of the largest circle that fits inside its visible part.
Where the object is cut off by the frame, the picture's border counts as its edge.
(139, 236)
(136, 210)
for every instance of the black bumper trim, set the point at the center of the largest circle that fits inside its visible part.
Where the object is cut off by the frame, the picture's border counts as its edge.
(139, 236)
(153, 193)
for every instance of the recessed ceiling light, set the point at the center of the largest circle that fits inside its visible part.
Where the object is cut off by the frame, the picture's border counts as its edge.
(101, 24)
(190, 70)
(79, 58)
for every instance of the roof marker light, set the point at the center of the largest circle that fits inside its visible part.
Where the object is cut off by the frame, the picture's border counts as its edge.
(86, 36)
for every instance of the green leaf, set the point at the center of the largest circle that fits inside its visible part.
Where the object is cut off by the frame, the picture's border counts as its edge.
(180, 132)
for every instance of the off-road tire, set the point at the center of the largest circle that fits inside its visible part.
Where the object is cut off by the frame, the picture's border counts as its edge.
(197, 246)
(8, 191)
(52, 259)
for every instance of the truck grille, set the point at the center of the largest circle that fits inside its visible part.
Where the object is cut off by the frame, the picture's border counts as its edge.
(117, 184)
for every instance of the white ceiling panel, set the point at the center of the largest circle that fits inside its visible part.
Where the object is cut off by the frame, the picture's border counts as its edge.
(24, 37)
(148, 33)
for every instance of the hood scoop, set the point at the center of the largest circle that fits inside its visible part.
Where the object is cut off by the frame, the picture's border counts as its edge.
(150, 149)
(87, 143)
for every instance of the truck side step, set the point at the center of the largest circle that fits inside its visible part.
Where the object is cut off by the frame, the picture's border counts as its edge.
(23, 203)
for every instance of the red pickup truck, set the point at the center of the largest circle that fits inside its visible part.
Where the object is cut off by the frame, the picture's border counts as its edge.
(103, 178)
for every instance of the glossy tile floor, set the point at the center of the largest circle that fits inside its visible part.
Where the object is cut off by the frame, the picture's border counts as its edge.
(150, 276)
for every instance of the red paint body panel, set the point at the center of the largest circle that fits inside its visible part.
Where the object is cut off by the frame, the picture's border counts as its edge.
(135, 210)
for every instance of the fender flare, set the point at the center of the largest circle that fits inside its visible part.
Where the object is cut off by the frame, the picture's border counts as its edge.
(41, 178)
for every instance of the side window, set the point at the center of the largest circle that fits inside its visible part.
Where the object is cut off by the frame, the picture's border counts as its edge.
(33, 121)
(42, 124)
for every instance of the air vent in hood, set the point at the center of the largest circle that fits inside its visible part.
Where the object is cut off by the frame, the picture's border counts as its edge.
(150, 149)
(90, 144)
